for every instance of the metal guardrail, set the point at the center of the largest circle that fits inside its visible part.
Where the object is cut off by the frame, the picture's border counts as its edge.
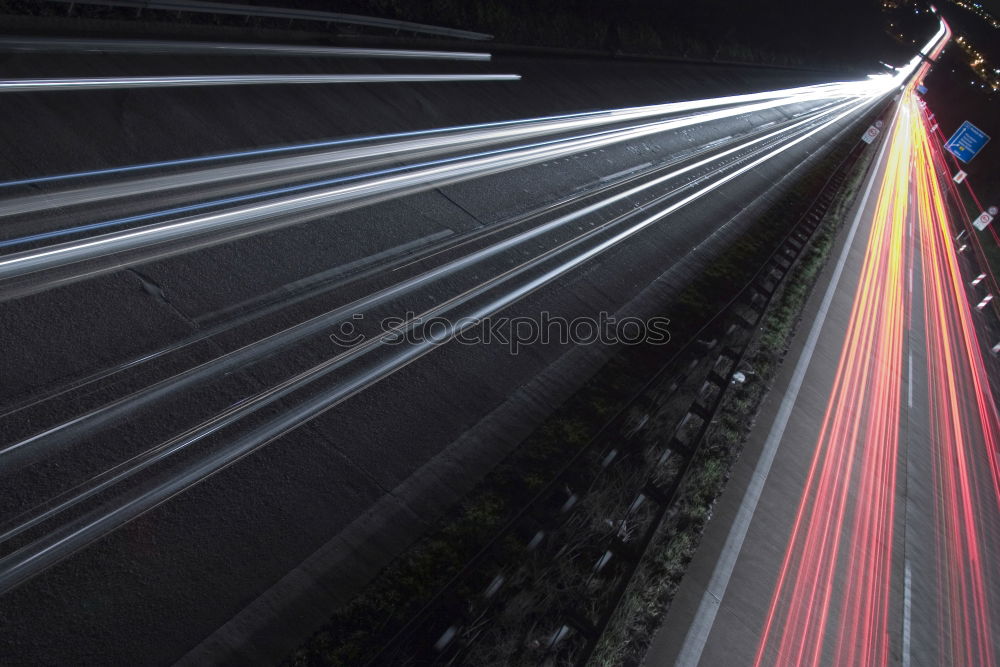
(204, 7)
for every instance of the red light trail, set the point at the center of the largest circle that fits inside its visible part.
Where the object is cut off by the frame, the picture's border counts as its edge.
(833, 602)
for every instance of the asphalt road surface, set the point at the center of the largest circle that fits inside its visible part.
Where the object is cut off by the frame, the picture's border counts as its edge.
(188, 457)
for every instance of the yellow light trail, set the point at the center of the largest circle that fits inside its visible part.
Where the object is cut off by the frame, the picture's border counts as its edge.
(833, 588)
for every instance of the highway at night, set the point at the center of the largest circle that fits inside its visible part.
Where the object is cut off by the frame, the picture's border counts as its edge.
(659, 334)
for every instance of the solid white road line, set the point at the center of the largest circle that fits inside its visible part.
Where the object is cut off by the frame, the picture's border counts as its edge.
(906, 615)
(909, 390)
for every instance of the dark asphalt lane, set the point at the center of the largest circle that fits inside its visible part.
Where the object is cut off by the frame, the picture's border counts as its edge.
(153, 590)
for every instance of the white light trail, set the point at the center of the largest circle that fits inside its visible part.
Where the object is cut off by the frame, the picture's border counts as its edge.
(118, 82)
(285, 211)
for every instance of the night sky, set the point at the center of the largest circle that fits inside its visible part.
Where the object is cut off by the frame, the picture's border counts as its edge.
(992, 5)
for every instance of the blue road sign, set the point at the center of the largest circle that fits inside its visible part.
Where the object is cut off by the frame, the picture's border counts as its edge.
(967, 141)
(922, 90)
